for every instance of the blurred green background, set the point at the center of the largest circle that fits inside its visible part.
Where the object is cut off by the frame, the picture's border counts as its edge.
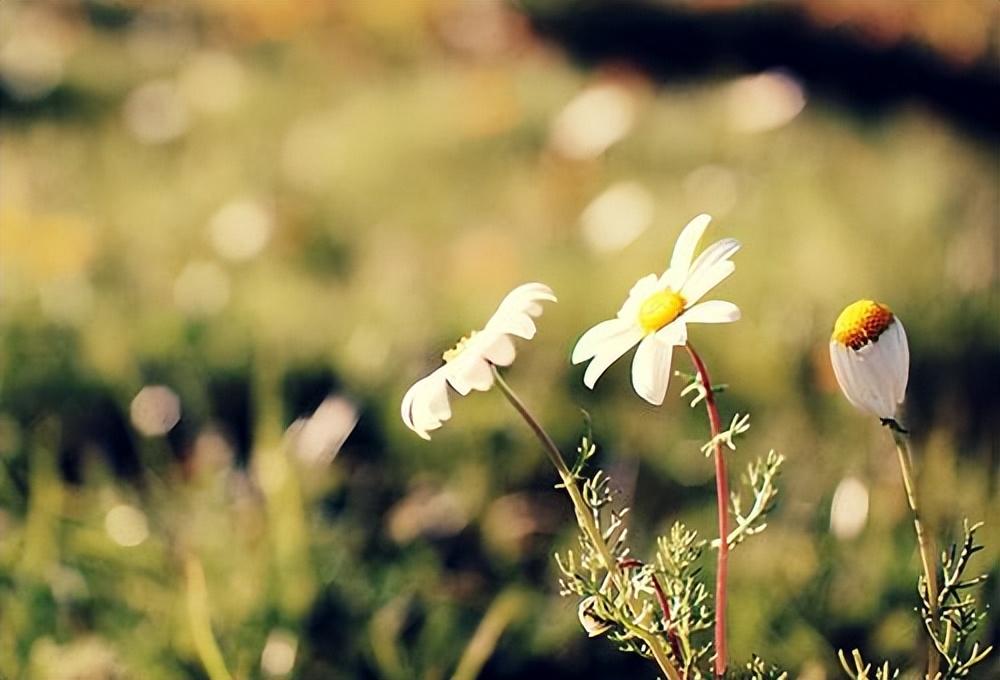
(233, 232)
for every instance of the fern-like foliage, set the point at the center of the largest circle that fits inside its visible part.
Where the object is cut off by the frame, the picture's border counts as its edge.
(951, 621)
(666, 601)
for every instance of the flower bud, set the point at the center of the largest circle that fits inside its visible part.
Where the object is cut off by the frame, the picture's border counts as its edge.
(871, 358)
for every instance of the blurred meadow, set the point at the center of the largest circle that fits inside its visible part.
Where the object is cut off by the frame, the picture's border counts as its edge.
(233, 232)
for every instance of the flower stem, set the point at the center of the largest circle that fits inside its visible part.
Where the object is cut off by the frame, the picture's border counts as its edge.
(584, 517)
(722, 500)
(924, 540)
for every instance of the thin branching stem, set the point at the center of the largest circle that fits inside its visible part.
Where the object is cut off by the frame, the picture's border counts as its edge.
(661, 598)
(585, 517)
(924, 540)
(722, 500)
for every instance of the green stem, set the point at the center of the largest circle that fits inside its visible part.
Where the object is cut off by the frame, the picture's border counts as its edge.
(585, 517)
(924, 540)
(199, 621)
(507, 607)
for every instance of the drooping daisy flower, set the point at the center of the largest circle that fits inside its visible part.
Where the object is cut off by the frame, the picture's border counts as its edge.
(467, 365)
(871, 358)
(656, 314)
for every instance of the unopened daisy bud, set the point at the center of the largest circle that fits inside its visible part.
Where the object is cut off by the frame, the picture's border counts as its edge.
(871, 358)
(591, 622)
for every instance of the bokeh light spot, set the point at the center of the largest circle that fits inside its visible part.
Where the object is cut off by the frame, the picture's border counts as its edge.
(155, 410)
(278, 657)
(126, 526)
(617, 217)
(849, 510)
(241, 229)
(765, 101)
(592, 121)
(155, 113)
(321, 435)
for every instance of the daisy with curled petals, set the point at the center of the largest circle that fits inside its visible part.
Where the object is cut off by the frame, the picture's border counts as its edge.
(469, 364)
(656, 314)
(871, 358)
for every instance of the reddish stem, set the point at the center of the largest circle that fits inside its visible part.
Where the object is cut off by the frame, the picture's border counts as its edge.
(661, 597)
(722, 499)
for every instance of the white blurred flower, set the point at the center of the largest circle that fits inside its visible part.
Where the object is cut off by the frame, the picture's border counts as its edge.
(657, 311)
(468, 364)
(593, 121)
(241, 228)
(155, 113)
(278, 657)
(849, 509)
(617, 217)
(320, 436)
(126, 525)
(155, 410)
(31, 63)
(871, 358)
(588, 618)
(765, 101)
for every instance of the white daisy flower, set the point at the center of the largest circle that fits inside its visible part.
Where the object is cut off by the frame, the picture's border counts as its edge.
(468, 364)
(657, 311)
(871, 358)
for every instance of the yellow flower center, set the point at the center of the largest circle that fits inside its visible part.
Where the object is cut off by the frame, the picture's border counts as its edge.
(659, 309)
(860, 323)
(459, 347)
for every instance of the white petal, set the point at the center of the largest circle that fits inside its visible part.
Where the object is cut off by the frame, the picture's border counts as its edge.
(515, 312)
(500, 351)
(609, 352)
(687, 243)
(901, 359)
(865, 384)
(524, 299)
(590, 342)
(674, 333)
(713, 311)
(705, 279)
(671, 279)
(425, 404)
(431, 408)
(717, 252)
(651, 369)
(840, 361)
(469, 372)
(642, 289)
(864, 377)
(853, 378)
(406, 406)
(520, 325)
(877, 372)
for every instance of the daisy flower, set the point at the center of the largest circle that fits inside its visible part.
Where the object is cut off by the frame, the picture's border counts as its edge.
(656, 314)
(468, 365)
(871, 358)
